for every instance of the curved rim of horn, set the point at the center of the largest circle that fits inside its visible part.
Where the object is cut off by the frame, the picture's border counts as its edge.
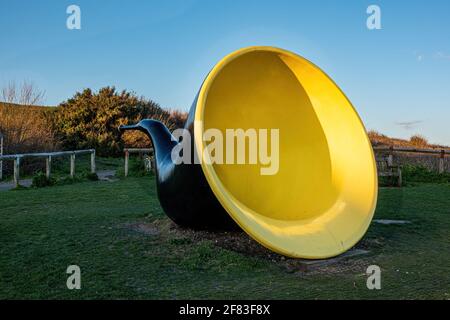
(281, 236)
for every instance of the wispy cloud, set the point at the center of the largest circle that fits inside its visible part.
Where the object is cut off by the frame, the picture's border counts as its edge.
(409, 125)
(442, 55)
(439, 55)
(419, 56)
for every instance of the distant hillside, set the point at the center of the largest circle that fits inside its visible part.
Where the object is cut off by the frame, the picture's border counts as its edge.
(416, 141)
(11, 113)
(22, 107)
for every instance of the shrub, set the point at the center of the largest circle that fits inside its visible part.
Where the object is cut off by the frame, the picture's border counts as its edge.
(422, 174)
(40, 180)
(419, 141)
(91, 120)
(178, 118)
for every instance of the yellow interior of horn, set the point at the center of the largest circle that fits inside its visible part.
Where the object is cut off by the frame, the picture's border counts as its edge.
(322, 199)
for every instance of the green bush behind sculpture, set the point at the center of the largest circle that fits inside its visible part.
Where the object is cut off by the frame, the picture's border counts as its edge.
(90, 120)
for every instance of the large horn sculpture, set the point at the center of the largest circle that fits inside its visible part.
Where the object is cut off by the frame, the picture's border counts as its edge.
(320, 201)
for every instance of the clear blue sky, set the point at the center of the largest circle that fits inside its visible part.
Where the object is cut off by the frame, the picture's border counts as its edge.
(398, 77)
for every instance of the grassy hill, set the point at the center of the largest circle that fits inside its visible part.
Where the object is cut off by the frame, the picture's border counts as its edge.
(36, 108)
(24, 111)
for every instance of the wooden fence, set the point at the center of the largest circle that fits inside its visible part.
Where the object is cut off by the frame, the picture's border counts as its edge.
(128, 151)
(72, 154)
(390, 150)
(385, 149)
(48, 161)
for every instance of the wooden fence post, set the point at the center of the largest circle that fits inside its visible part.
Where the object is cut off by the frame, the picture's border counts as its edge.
(441, 161)
(391, 157)
(16, 171)
(127, 155)
(93, 161)
(72, 165)
(400, 178)
(48, 166)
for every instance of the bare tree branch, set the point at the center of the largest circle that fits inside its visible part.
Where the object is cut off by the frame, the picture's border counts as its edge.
(26, 94)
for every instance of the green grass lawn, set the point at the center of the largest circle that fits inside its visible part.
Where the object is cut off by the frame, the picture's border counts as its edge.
(42, 231)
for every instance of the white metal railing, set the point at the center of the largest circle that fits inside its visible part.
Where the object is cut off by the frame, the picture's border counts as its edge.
(48, 160)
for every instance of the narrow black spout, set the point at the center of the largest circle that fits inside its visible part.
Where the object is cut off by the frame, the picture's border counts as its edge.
(162, 140)
(182, 188)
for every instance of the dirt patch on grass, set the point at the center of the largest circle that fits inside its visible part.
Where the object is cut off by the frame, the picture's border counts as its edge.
(144, 228)
(240, 242)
